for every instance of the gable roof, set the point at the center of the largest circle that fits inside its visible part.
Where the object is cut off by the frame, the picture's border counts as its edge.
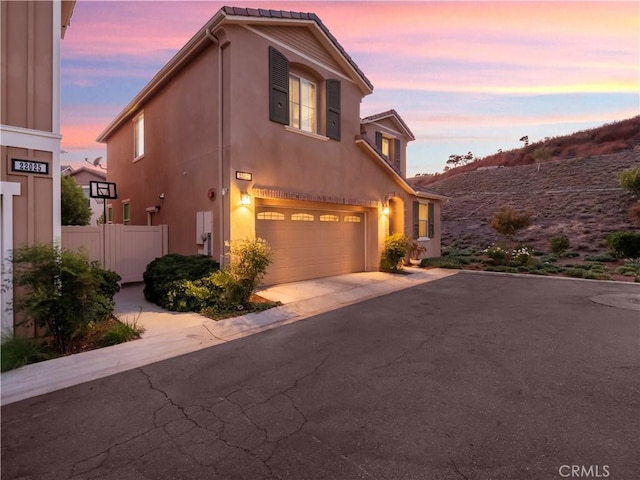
(204, 37)
(395, 117)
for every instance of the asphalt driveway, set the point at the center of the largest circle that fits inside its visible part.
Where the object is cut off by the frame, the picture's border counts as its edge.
(474, 376)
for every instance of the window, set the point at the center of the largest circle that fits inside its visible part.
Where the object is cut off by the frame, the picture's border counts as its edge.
(423, 220)
(87, 197)
(351, 219)
(293, 100)
(302, 217)
(390, 148)
(138, 137)
(126, 213)
(302, 104)
(270, 216)
(329, 218)
(109, 214)
(385, 146)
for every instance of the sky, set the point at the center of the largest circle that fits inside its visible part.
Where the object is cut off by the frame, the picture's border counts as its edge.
(465, 76)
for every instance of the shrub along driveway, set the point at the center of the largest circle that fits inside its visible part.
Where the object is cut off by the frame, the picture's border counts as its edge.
(474, 376)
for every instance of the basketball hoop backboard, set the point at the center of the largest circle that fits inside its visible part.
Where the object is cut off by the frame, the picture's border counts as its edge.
(106, 190)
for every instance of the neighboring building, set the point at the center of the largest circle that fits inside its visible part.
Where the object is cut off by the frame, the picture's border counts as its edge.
(83, 176)
(253, 129)
(30, 127)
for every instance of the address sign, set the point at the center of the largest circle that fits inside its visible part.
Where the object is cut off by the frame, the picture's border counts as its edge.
(29, 166)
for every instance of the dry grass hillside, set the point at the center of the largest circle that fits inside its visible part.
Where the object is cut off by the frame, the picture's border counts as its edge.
(578, 197)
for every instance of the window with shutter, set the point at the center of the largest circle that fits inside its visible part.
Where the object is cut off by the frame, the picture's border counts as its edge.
(333, 109)
(279, 87)
(396, 153)
(422, 220)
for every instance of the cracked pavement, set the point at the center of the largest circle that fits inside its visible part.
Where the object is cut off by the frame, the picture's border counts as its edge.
(470, 377)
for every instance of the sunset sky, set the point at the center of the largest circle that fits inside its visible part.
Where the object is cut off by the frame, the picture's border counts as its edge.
(465, 76)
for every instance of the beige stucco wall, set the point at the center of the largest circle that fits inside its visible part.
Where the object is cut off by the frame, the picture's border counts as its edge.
(180, 158)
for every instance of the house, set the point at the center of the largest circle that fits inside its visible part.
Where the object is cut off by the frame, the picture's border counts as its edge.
(29, 127)
(83, 177)
(253, 129)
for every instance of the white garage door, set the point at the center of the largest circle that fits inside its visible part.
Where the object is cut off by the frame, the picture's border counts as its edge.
(311, 243)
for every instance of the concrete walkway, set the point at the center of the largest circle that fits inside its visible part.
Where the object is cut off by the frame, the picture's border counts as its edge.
(170, 334)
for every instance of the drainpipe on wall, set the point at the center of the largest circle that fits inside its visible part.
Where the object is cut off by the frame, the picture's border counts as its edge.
(221, 188)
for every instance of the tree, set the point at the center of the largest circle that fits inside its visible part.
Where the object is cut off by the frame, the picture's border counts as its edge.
(507, 222)
(525, 139)
(75, 209)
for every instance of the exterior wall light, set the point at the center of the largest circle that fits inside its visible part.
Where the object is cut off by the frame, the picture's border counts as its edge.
(245, 199)
(385, 210)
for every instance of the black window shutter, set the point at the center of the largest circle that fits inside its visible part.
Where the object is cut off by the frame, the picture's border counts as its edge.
(430, 231)
(396, 153)
(333, 109)
(278, 87)
(416, 219)
(379, 141)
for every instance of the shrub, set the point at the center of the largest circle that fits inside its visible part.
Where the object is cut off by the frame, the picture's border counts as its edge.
(559, 244)
(630, 180)
(17, 352)
(64, 290)
(395, 248)
(249, 261)
(74, 209)
(507, 221)
(498, 255)
(624, 244)
(442, 262)
(599, 258)
(166, 274)
(575, 272)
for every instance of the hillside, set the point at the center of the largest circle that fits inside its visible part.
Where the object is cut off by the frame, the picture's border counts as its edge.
(606, 139)
(579, 198)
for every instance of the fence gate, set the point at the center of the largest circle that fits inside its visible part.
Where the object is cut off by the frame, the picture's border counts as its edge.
(125, 249)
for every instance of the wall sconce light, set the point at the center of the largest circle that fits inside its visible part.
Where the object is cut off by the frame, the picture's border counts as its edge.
(245, 199)
(161, 196)
(385, 210)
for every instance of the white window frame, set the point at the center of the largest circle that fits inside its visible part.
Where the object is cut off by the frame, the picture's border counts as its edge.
(138, 137)
(298, 105)
(126, 206)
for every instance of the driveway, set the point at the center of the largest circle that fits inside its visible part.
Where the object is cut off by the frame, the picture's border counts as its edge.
(474, 376)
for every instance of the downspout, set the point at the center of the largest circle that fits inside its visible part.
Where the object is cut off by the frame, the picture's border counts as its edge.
(221, 190)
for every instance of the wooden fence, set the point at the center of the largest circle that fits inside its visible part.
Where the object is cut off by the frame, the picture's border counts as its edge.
(125, 249)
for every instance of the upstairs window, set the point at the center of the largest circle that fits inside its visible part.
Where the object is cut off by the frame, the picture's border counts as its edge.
(126, 212)
(138, 137)
(302, 104)
(294, 100)
(390, 148)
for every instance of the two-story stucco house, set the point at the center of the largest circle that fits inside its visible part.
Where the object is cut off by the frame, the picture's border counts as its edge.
(253, 129)
(30, 136)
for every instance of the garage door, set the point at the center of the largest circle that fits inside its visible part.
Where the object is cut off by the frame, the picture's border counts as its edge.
(311, 243)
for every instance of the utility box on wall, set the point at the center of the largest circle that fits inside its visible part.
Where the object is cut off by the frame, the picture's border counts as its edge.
(204, 232)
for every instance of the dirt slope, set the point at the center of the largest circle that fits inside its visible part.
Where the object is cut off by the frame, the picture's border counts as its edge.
(579, 198)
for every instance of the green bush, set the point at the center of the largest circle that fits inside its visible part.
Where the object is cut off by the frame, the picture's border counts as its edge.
(575, 272)
(17, 352)
(508, 221)
(559, 244)
(599, 258)
(167, 274)
(64, 291)
(442, 262)
(624, 244)
(203, 285)
(395, 248)
(630, 180)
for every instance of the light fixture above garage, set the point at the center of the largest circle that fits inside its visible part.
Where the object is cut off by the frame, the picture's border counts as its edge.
(385, 210)
(245, 199)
